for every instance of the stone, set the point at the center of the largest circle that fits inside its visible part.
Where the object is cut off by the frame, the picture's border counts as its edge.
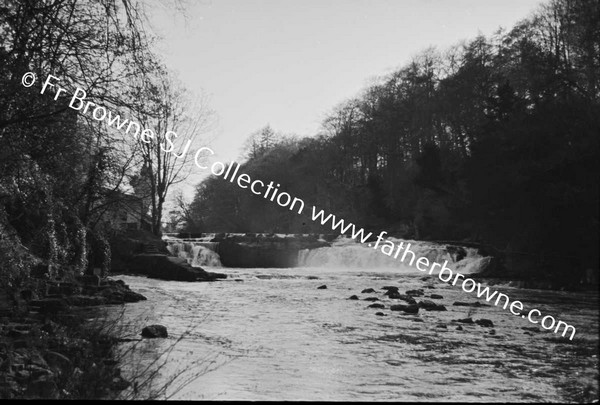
(441, 326)
(367, 291)
(436, 296)
(406, 298)
(486, 323)
(371, 299)
(409, 309)
(155, 331)
(380, 314)
(431, 306)
(469, 304)
(465, 320)
(322, 287)
(389, 289)
(393, 294)
(121, 296)
(459, 327)
(353, 297)
(415, 293)
(164, 267)
(379, 306)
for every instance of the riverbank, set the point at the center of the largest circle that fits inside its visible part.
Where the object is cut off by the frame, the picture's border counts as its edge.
(49, 347)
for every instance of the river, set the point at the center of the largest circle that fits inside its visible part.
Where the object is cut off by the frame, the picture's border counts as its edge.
(271, 334)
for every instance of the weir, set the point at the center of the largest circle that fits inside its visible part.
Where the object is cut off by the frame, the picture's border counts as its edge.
(345, 253)
(198, 253)
(342, 253)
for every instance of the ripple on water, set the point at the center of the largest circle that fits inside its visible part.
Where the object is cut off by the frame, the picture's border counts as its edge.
(288, 340)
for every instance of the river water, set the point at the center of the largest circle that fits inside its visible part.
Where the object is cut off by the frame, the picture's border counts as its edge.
(271, 334)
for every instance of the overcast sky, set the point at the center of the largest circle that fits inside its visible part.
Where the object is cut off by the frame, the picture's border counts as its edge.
(289, 62)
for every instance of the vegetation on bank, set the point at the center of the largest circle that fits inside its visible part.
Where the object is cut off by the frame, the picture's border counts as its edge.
(492, 141)
(70, 184)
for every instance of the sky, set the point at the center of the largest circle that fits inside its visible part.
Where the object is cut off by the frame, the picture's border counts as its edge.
(288, 63)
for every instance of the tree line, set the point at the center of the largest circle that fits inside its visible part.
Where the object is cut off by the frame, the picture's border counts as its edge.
(494, 140)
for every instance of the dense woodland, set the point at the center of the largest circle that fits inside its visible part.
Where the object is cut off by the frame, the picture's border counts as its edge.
(494, 140)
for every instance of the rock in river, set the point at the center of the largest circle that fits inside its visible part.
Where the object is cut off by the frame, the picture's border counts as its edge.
(409, 309)
(486, 323)
(431, 306)
(155, 331)
(415, 293)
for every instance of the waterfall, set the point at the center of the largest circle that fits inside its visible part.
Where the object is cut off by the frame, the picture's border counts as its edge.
(202, 256)
(197, 252)
(346, 253)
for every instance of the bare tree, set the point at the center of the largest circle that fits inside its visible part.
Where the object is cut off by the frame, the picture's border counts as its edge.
(179, 125)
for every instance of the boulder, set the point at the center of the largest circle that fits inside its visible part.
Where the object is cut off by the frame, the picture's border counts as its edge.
(367, 291)
(415, 293)
(121, 296)
(406, 298)
(353, 297)
(322, 287)
(393, 294)
(486, 323)
(475, 304)
(155, 331)
(165, 267)
(409, 309)
(431, 306)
